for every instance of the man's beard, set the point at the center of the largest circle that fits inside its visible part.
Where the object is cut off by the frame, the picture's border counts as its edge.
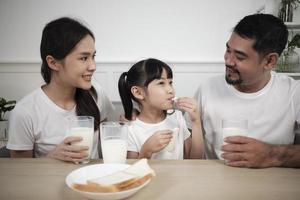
(233, 82)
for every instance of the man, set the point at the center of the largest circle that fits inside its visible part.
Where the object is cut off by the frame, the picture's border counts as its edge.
(251, 90)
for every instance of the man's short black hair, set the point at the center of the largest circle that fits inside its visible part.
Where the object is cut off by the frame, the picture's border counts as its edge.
(269, 32)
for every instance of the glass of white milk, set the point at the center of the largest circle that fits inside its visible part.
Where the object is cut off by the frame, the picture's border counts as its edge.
(234, 127)
(82, 126)
(114, 141)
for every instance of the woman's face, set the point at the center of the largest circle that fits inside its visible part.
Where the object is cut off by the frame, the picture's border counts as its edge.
(78, 66)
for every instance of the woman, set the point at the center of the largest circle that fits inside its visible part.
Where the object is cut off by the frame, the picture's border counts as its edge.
(38, 123)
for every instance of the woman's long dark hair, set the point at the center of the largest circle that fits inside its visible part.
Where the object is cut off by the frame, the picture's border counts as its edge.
(140, 74)
(58, 40)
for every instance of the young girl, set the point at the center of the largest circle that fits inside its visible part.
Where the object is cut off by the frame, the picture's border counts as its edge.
(155, 133)
(38, 123)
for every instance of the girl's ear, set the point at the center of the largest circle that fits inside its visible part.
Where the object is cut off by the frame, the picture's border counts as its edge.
(53, 63)
(271, 61)
(137, 92)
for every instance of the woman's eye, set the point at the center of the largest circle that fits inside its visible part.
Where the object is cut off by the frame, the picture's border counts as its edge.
(84, 58)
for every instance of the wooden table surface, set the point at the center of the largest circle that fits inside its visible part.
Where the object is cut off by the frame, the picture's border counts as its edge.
(32, 179)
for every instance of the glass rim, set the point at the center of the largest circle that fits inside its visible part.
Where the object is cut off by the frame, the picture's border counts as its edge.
(81, 118)
(113, 123)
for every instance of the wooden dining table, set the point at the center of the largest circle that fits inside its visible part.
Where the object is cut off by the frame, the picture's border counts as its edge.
(44, 179)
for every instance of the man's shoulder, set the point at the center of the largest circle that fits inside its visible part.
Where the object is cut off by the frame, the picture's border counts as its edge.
(285, 81)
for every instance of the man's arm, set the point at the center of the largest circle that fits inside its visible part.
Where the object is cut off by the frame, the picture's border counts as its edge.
(287, 155)
(248, 152)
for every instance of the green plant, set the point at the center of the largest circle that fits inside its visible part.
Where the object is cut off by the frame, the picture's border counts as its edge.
(289, 60)
(295, 42)
(5, 106)
(292, 2)
(286, 9)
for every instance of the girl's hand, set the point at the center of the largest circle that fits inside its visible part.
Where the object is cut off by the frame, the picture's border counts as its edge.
(156, 143)
(67, 152)
(190, 106)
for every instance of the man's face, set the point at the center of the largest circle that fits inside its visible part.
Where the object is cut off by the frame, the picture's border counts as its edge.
(244, 67)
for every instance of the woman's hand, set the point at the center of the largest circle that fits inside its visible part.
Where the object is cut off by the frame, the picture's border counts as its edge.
(156, 143)
(67, 152)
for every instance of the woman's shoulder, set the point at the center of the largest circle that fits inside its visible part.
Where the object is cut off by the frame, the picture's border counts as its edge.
(28, 103)
(31, 97)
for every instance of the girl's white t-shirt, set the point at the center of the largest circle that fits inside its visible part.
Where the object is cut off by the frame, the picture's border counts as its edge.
(139, 132)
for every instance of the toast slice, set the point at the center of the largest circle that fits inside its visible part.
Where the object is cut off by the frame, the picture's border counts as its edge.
(131, 177)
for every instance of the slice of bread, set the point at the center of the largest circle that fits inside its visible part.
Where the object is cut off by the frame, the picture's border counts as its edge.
(131, 177)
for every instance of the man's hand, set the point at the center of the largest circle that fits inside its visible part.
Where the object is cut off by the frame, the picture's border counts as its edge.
(241, 151)
(67, 152)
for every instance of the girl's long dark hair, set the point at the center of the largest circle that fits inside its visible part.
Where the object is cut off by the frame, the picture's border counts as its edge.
(140, 74)
(59, 38)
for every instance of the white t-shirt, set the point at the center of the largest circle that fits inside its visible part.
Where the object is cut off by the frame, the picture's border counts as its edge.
(140, 131)
(37, 123)
(271, 112)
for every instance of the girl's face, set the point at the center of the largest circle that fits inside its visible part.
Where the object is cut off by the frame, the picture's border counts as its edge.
(78, 66)
(160, 93)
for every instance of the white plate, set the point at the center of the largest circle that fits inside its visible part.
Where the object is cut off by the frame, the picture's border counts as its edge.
(81, 175)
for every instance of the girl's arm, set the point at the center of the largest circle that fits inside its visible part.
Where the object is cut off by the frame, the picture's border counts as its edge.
(155, 143)
(132, 155)
(197, 147)
(21, 154)
(197, 150)
(137, 155)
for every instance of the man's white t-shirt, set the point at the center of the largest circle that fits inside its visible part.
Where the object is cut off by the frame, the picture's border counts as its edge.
(271, 112)
(37, 123)
(140, 131)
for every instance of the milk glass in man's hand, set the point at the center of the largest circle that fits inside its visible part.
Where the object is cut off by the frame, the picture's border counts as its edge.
(82, 126)
(234, 127)
(114, 142)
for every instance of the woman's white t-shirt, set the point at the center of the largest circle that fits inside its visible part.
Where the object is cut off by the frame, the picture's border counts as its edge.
(37, 123)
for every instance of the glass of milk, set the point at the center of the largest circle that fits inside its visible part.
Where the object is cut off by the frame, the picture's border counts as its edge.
(234, 127)
(82, 126)
(114, 141)
(171, 146)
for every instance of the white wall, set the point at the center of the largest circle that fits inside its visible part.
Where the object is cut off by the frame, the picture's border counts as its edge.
(188, 34)
(127, 29)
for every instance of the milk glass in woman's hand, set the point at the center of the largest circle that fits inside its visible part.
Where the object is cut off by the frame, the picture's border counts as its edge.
(234, 127)
(114, 142)
(82, 126)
